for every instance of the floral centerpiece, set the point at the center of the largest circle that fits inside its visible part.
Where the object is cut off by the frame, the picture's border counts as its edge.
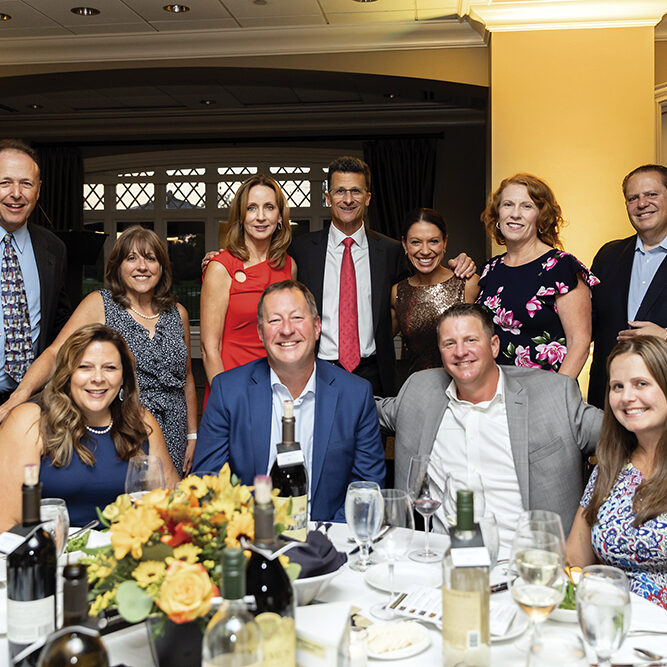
(166, 548)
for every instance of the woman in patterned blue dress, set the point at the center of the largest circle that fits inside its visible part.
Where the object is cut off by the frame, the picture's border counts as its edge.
(622, 520)
(539, 296)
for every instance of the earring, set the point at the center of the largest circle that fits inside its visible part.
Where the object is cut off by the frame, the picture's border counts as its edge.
(498, 225)
(121, 393)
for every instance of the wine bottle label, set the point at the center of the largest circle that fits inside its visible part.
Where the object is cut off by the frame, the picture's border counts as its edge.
(470, 557)
(9, 542)
(298, 518)
(290, 458)
(229, 660)
(279, 639)
(30, 620)
(462, 618)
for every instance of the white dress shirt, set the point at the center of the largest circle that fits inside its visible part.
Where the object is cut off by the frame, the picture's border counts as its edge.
(645, 265)
(304, 420)
(474, 437)
(331, 292)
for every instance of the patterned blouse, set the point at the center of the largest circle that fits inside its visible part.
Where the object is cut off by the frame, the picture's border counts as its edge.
(522, 300)
(640, 552)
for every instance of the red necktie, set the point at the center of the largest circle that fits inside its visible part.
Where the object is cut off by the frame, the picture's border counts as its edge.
(348, 321)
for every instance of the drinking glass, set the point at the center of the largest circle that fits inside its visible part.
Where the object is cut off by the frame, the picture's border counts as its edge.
(452, 485)
(425, 503)
(144, 473)
(603, 608)
(535, 575)
(394, 544)
(489, 527)
(53, 512)
(557, 647)
(545, 521)
(363, 512)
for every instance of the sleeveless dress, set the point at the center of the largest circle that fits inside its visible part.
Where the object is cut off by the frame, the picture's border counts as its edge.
(161, 370)
(84, 487)
(522, 300)
(418, 310)
(640, 552)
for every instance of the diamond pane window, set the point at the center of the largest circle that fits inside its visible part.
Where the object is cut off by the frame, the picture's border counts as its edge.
(236, 171)
(186, 195)
(194, 171)
(289, 170)
(93, 197)
(226, 192)
(297, 192)
(134, 195)
(324, 194)
(136, 174)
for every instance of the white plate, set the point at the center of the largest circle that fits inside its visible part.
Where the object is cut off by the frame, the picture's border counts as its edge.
(407, 576)
(517, 627)
(406, 652)
(564, 615)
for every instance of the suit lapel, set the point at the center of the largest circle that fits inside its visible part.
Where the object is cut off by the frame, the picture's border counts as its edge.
(260, 397)
(326, 405)
(377, 258)
(45, 261)
(317, 258)
(517, 422)
(656, 290)
(625, 271)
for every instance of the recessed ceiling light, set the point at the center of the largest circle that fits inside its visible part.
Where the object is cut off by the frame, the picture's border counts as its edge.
(259, 2)
(176, 9)
(35, 106)
(365, 0)
(5, 17)
(391, 96)
(207, 103)
(85, 11)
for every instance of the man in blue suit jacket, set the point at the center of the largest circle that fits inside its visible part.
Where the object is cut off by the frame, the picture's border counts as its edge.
(242, 416)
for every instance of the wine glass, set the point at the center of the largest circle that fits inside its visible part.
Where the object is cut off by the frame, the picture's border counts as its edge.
(489, 527)
(363, 512)
(543, 520)
(55, 518)
(425, 502)
(556, 647)
(144, 473)
(394, 544)
(603, 608)
(535, 575)
(453, 484)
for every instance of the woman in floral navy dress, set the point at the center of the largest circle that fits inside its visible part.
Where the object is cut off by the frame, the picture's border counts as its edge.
(539, 296)
(622, 520)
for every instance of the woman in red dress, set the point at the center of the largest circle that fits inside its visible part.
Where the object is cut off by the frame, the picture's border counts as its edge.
(255, 257)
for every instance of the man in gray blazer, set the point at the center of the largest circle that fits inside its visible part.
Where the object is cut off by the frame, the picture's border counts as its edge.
(525, 431)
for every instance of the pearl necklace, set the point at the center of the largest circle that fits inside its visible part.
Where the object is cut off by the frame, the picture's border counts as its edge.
(146, 317)
(99, 431)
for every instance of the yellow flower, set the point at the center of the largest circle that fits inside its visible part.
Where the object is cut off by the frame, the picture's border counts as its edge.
(186, 592)
(284, 560)
(209, 564)
(116, 510)
(241, 523)
(149, 572)
(103, 601)
(133, 530)
(193, 485)
(158, 498)
(102, 568)
(186, 552)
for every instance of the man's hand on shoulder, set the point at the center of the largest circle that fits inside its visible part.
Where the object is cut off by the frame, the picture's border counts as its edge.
(641, 328)
(208, 257)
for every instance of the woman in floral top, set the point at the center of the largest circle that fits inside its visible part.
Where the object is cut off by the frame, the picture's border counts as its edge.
(539, 296)
(622, 520)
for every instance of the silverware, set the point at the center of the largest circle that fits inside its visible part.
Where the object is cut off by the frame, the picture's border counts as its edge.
(637, 633)
(648, 655)
(381, 534)
(88, 526)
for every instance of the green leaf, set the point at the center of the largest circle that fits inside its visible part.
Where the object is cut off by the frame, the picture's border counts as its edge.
(134, 604)
(293, 570)
(100, 516)
(158, 552)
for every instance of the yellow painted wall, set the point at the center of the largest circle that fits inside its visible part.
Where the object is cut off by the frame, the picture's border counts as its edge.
(575, 107)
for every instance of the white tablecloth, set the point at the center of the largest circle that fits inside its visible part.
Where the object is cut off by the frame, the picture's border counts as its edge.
(130, 646)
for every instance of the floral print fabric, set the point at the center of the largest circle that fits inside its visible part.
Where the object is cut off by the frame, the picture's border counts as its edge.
(523, 302)
(640, 552)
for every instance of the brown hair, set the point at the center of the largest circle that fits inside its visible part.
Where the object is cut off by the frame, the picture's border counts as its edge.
(146, 242)
(349, 165)
(423, 215)
(62, 426)
(549, 218)
(284, 285)
(469, 310)
(21, 147)
(659, 169)
(616, 443)
(282, 236)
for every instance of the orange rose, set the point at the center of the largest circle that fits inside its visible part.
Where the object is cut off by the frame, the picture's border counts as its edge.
(186, 592)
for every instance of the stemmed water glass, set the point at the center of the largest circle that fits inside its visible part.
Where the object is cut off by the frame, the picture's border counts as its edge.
(53, 513)
(394, 544)
(425, 502)
(144, 473)
(603, 608)
(364, 508)
(453, 485)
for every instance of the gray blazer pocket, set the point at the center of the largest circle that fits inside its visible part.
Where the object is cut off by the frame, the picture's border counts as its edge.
(540, 452)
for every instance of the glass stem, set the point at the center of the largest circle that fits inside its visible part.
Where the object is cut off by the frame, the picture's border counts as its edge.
(391, 584)
(427, 520)
(364, 556)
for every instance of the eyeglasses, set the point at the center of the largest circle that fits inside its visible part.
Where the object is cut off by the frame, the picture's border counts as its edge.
(340, 193)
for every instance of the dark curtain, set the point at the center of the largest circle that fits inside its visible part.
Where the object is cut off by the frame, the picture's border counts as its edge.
(60, 205)
(402, 178)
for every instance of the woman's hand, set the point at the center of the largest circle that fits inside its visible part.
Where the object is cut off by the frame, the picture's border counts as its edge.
(213, 311)
(463, 266)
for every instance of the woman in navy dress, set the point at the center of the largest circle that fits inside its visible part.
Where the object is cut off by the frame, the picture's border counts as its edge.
(84, 434)
(539, 295)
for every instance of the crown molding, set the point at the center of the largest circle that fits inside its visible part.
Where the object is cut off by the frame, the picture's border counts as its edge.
(205, 44)
(564, 14)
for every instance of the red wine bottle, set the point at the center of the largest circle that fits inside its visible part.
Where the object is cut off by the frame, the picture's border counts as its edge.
(31, 578)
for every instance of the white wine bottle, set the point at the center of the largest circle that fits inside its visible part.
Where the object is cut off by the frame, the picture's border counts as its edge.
(465, 591)
(31, 578)
(78, 641)
(289, 476)
(232, 637)
(268, 582)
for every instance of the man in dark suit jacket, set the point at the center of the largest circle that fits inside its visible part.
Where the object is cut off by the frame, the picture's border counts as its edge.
(334, 411)
(40, 253)
(631, 299)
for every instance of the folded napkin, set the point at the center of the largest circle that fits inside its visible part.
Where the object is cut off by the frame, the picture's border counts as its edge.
(317, 555)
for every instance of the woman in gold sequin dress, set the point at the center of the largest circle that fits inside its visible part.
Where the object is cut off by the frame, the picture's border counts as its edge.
(418, 301)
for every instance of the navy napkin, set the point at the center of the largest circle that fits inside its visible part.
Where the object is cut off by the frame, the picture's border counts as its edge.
(317, 555)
